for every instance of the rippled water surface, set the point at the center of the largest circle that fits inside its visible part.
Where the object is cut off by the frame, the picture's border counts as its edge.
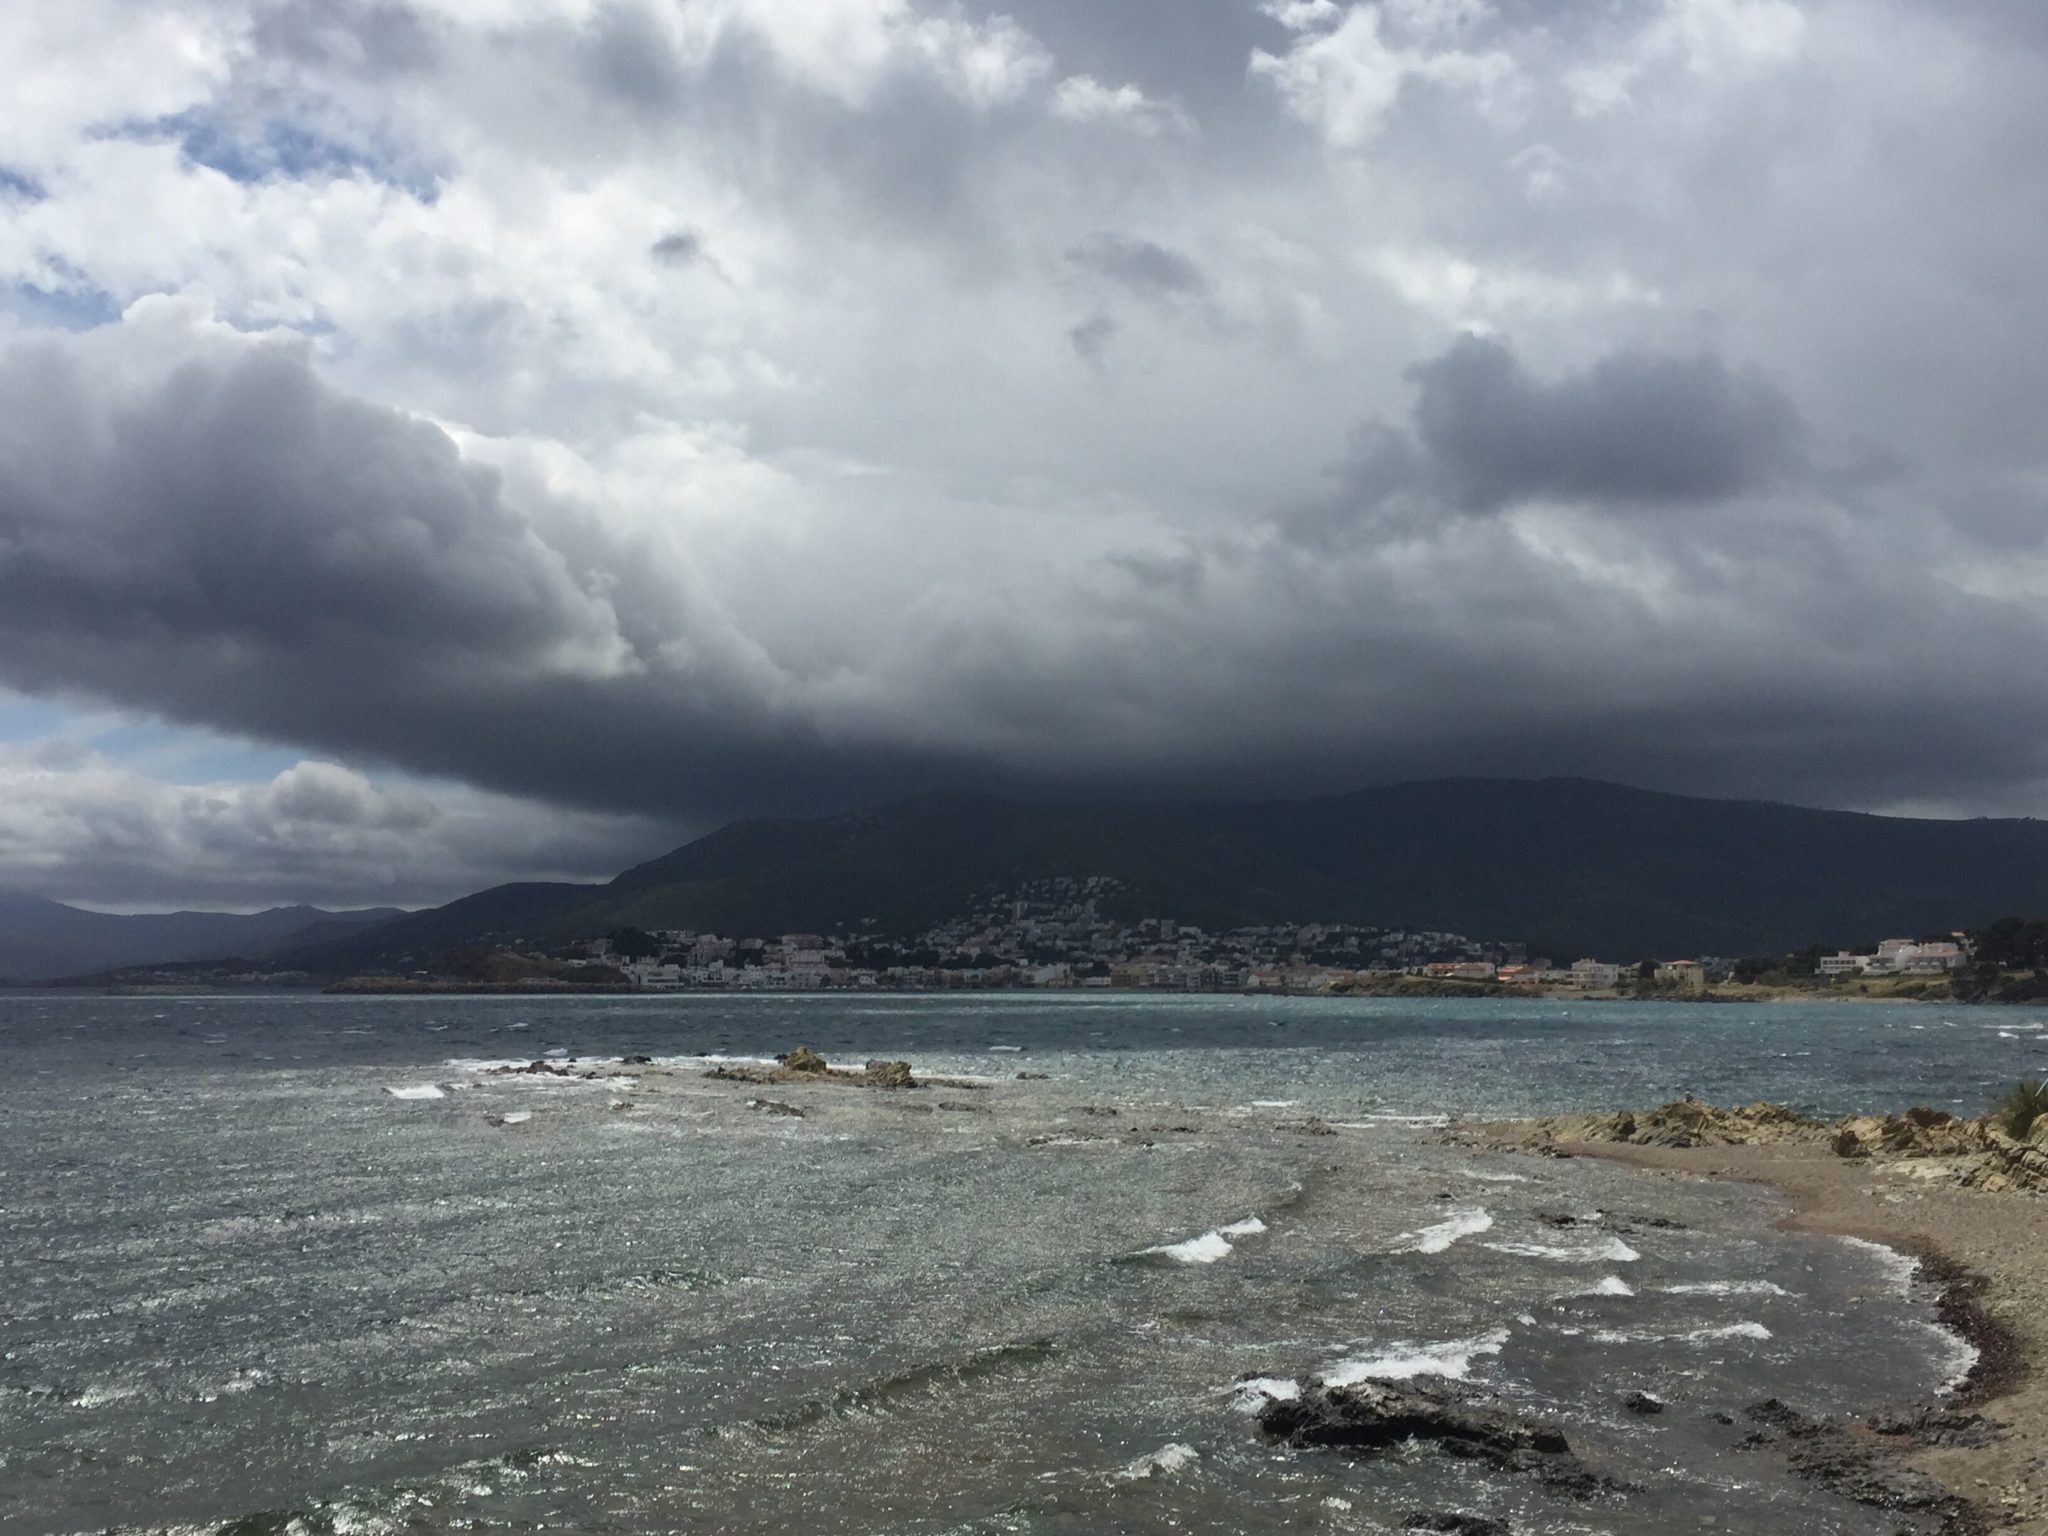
(311, 1264)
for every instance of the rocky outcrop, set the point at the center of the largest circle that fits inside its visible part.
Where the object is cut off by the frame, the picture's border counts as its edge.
(1681, 1123)
(1927, 1143)
(804, 1065)
(1369, 1416)
(1857, 1467)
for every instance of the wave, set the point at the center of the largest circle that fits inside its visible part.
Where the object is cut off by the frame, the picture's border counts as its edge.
(1250, 1396)
(1210, 1247)
(1612, 1251)
(1459, 1225)
(1900, 1269)
(1725, 1288)
(421, 1091)
(1755, 1331)
(872, 1396)
(1613, 1285)
(1402, 1362)
(1163, 1462)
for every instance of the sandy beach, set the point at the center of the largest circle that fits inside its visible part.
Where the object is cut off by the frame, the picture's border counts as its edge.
(1986, 1249)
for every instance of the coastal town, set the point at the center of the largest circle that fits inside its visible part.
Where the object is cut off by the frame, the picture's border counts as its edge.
(1062, 935)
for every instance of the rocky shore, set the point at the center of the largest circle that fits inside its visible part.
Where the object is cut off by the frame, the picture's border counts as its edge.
(1961, 1196)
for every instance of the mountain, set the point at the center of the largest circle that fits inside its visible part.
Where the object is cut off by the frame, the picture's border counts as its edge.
(42, 940)
(1573, 866)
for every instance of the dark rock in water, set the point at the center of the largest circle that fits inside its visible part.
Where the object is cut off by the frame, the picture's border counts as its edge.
(1642, 1402)
(883, 1074)
(803, 1059)
(775, 1107)
(1034, 1077)
(533, 1069)
(1939, 1427)
(1855, 1467)
(636, 1061)
(1454, 1524)
(1314, 1125)
(1370, 1416)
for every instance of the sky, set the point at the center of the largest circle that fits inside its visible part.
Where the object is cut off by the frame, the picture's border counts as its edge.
(449, 441)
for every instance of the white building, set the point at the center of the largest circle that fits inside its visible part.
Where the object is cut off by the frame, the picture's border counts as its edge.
(1595, 975)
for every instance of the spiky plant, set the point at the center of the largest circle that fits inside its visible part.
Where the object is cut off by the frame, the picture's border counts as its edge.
(2027, 1103)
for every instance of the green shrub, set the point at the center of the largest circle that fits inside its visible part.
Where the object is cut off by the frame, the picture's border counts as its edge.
(2027, 1103)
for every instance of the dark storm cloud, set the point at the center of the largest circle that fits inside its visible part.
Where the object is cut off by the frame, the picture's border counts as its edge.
(1634, 427)
(204, 530)
(236, 544)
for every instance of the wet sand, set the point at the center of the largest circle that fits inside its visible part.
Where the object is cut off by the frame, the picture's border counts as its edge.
(1990, 1251)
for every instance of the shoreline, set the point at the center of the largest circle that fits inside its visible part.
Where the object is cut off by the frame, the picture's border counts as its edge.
(1981, 1254)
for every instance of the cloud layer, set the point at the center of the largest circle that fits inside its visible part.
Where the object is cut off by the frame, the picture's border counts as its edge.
(683, 410)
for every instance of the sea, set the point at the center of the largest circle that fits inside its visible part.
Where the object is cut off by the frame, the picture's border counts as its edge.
(273, 1265)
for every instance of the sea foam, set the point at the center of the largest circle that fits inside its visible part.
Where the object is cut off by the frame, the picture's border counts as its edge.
(1459, 1225)
(1405, 1361)
(1612, 1251)
(1210, 1247)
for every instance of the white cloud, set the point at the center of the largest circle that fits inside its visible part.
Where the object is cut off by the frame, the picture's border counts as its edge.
(1084, 99)
(1346, 81)
(1720, 40)
(76, 825)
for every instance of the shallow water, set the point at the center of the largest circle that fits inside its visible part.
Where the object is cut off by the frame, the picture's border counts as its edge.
(248, 1263)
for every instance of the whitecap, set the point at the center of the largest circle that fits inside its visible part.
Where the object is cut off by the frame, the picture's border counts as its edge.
(422, 1091)
(1725, 1288)
(1460, 1224)
(1613, 1285)
(1405, 1361)
(1251, 1396)
(1006, 1050)
(1210, 1247)
(101, 1396)
(1693, 1336)
(1274, 1103)
(1493, 1178)
(1163, 1462)
(1612, 1251)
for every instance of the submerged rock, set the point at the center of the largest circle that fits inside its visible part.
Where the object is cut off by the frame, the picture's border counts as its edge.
(1940, 1427)
(1454, 1524)
(1372, 1416)
(1855, 1466)
(1642, 1403)
(775, 1107)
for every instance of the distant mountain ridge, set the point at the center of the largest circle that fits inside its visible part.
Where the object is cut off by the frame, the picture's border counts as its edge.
(46, 940)
(1572, 866)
